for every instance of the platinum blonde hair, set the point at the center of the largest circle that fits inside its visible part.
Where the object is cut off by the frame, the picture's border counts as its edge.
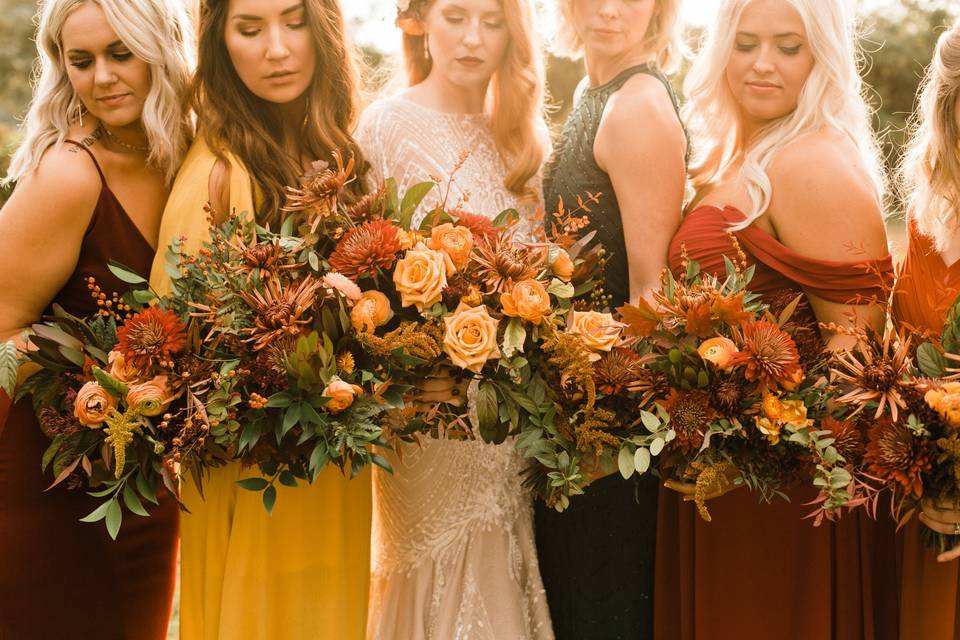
(930, 169)
(156, 31)
(832, 96)
(664, 38)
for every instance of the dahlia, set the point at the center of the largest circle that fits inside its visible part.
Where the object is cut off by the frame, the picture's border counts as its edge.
(480, 226)
(767, 353)
(690, 415)
(366, 249)
(895, 453)
(150, 337)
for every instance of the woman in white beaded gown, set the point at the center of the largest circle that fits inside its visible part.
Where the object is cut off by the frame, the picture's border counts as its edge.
(453, 546)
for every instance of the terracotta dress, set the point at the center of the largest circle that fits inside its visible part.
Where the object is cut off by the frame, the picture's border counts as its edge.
(926, 289)
(61, 578)
(759, 571)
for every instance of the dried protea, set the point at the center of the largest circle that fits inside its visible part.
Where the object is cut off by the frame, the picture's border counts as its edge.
(279, 310)
(767, 354)
(270, 368)
(319, 190)
(366, 249)
(894, 452)
(877, 371)
(151, 337)
(502, 263)
(480, 226)
(848, 438)
(618, 370)
(690, 416)
(366, 209)
(802, 327)
(726, 395)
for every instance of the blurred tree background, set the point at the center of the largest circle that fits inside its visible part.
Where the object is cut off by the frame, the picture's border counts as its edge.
(898, 41)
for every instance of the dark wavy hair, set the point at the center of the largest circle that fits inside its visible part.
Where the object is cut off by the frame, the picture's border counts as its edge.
(233, 119)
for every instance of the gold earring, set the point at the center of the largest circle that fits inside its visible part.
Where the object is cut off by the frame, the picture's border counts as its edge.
(80, 113)
(426, 46)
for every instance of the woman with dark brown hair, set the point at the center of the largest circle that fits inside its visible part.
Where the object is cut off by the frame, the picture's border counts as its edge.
(275, 91)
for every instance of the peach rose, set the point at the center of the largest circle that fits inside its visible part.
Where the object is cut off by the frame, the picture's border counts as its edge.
(719, 351)
(946, 402)
(151, 398)
(92, 405)
(341, 395)
(560, 264)
(528, 300)
(371, 311)
(456, 242)
(120, 370)
(421, 277)
(471, 337)
(599, 331)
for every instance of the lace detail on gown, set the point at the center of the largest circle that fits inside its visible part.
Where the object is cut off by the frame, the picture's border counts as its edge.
(453, 553)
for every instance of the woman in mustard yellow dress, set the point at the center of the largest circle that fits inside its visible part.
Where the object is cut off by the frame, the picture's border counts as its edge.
(275, 90)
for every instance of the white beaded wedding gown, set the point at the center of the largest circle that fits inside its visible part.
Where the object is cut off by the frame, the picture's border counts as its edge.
(453, 552)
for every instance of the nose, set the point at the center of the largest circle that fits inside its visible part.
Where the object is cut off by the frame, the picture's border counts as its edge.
(471, 36)
(763, 64)
(608, 9)
(103, 73)
(277, 48)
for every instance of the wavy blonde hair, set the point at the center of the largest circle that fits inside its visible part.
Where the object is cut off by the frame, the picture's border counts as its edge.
(516, 94)
(930, 169)
(664, 35)
(833, 95)
(156, 31)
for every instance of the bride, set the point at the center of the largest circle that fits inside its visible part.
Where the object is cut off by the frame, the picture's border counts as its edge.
(453, 545)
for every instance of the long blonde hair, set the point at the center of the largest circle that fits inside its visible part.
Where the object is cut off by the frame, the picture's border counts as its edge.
(516, 94)
(833, 96)
(664, 38)
(930, 169)
(156, 31)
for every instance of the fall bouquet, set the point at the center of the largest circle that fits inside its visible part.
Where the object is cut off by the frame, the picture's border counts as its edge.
(902, 389)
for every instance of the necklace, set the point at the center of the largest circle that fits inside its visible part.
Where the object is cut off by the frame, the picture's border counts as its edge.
(120, 143)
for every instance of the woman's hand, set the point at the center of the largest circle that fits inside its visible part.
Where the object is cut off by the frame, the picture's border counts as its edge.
(942, 516)
(442, 385)
(723, 483)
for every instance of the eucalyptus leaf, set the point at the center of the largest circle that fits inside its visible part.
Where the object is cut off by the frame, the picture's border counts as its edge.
(641, 460)
(625, 460)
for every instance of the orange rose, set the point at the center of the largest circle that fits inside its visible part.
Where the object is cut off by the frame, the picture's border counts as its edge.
(719, 351)
(456, 242)
(341, 395)
(421, 277)
(560, 263)
(599, 331)
(371, 311)
(151, 398)
(528, 300)
(471, 337)
(120, 370)
(92, 405)
(946, 402)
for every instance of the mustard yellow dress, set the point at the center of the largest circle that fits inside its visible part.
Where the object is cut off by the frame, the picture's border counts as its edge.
(300, 573)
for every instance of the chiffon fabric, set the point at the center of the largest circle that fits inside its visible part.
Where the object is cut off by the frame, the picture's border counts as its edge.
(926, 289)
(59, 577)
(300, 573)
(453, 546)
(760, 570)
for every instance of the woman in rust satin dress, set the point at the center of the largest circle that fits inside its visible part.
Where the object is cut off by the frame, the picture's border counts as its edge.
(926, 289)
(802, 199)
(95, 196)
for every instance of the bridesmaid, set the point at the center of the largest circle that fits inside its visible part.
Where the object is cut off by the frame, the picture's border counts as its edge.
(786, 153)
(275, 90)
(102, 141)
(454, 553)
(926, 289)
(623, 140)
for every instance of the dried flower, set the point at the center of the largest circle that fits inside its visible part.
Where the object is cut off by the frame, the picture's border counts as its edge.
(894, 452)
(876, 370)
(618, 371)
(690, 416)
(767, 354)
(279, 310)
(501, 263)
(847, 438)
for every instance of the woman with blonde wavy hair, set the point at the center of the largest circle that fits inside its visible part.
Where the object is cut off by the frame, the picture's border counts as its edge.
(453, 546)
(928, 283)
(788, 164)
(103, 138)
(624, 141)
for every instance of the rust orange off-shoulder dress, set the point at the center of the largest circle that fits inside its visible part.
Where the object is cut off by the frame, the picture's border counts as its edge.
(926, 289)
(759, 571)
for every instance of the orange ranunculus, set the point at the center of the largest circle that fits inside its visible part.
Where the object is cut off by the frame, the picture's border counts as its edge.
(946, 402)
(341, 395)
(120, 369)
(371, 311)
(528, 299)
(409, 239)
(560, 263)
(421, 276)
(599, 331)
(455, 241)
(779, 413)
(719, 351)
(92, 405)
(470, 338)
(150, 398)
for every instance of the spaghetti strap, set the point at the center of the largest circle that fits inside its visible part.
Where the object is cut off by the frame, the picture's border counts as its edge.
(79, 145)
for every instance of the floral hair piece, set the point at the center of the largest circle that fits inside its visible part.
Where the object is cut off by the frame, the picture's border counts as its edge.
(408, 18)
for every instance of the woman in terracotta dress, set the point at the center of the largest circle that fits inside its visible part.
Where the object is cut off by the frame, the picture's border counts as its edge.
(788, 164)
(928, 283)
(103, 139)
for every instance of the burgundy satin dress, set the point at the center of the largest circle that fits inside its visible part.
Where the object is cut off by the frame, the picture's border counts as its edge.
(759, 571)
(61, 578)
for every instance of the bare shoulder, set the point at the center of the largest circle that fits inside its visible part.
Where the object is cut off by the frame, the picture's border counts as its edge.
(640, 117)
(218, 186)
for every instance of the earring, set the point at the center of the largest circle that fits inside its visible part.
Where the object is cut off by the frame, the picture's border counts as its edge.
(426, 46)
(80, 113)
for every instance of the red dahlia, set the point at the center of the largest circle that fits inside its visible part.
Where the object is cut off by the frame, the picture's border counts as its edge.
(366, 249)
(895, 453)
(150, 337)
(768, 353)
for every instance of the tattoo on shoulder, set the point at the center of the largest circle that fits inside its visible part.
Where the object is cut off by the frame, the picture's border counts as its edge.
(87, 142)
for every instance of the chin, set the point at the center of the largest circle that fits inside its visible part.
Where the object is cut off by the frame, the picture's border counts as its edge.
(280, 96)
(120, 119)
